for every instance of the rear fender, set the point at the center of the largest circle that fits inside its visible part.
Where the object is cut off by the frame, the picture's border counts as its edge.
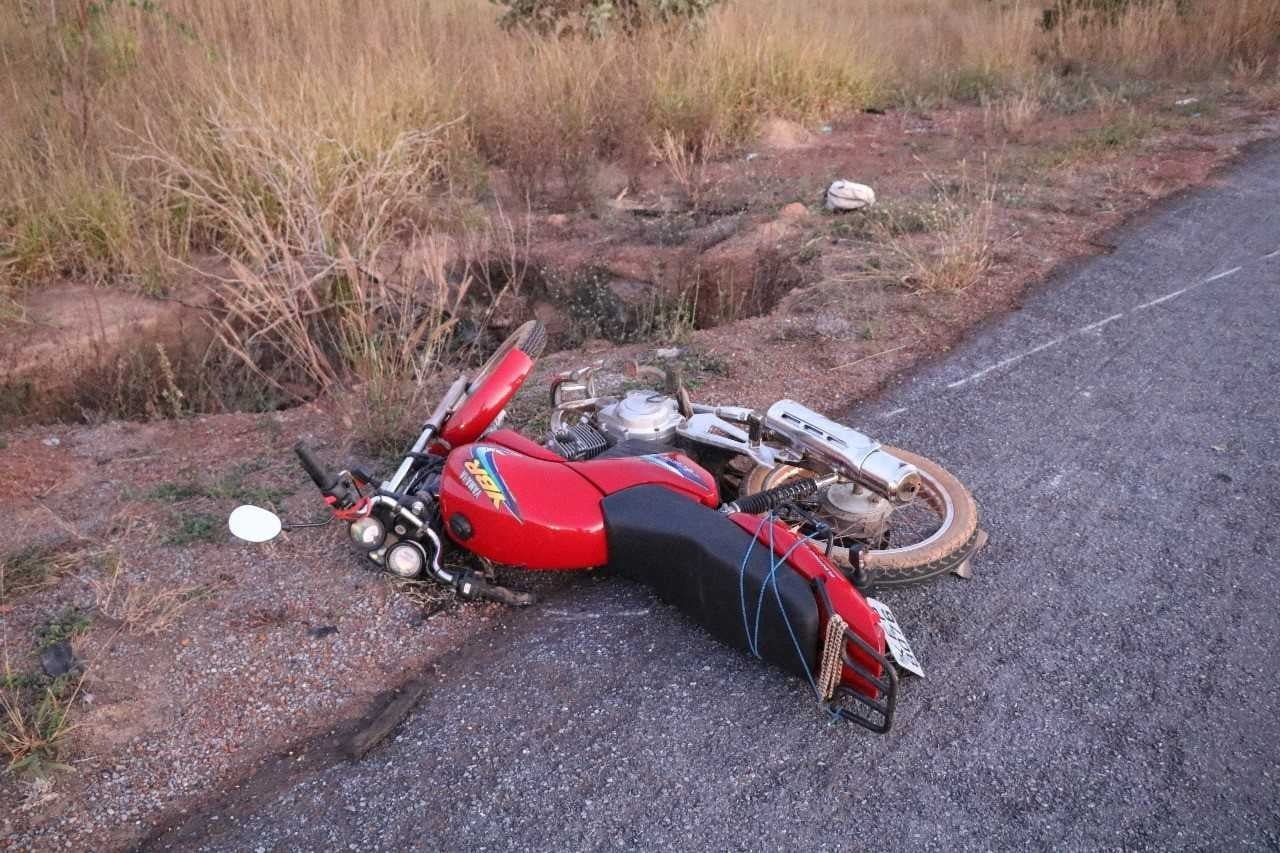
(845, 600)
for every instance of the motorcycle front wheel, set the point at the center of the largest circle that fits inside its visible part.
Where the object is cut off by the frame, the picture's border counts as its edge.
(933, 534)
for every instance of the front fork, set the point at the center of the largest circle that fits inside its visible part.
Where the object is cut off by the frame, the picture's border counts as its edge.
(344, 495)
(467, 582)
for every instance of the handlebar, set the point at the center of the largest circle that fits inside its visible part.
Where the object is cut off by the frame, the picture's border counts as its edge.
(324, 479)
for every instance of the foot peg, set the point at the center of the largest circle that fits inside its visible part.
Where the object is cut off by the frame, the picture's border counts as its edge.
(471, 586)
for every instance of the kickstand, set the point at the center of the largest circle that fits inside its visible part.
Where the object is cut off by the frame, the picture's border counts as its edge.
(964, 569)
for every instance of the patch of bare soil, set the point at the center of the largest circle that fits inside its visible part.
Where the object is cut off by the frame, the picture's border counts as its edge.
(829, 315)
(203, 655)
(767, 294)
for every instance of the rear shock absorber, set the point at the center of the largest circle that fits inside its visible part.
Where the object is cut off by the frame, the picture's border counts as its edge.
(771, 499)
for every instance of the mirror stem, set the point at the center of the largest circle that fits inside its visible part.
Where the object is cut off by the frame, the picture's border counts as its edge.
(297, 525)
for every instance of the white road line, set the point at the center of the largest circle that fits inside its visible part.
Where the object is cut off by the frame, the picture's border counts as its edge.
(1164, 298)
(1100, 323)
(1089, 328)
(894, 413)
(1231, 271)
(1178, 293)
(1006, 362)
(1271, 254)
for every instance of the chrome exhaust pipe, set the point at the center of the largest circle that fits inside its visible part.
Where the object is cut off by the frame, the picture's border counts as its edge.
(851, 454)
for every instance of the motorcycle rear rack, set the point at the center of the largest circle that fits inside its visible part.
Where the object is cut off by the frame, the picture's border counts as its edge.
(874, 713)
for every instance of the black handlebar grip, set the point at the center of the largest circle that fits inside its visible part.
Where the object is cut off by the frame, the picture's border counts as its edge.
(324, 479)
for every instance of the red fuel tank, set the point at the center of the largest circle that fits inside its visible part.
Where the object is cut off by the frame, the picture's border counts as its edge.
(673, 470)
(517, 504)
(518, 510)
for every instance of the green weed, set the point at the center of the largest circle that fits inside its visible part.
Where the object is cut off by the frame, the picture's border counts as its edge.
(190, 528)
(235, 486)
(67, 623)
(34, 720)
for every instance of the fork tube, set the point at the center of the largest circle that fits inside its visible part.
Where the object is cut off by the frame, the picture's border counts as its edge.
(450, 399)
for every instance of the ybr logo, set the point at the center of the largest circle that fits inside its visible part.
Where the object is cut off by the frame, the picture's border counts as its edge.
(483, 470)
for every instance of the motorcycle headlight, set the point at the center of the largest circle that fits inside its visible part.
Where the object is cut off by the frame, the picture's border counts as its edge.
(368, 533)
(406, 559)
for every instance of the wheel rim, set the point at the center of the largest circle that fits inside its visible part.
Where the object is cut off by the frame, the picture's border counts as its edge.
(931, 508)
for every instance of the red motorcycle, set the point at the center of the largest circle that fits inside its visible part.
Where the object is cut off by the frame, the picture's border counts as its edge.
(820, 514)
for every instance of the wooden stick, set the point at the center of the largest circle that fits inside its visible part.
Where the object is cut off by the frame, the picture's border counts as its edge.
(386, 720)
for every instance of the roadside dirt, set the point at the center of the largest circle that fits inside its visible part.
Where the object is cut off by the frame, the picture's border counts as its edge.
(272, 645)
(172, 710)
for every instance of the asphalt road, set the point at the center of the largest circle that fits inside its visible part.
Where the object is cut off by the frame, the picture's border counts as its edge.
(1107, 680)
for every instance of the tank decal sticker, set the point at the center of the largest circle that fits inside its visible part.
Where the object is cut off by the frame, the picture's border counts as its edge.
(481, 476)
(673, 464)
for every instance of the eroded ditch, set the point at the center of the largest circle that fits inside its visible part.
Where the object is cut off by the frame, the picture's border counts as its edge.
(90, 355)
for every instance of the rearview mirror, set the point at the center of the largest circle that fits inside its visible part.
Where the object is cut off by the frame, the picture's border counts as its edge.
(253, 524)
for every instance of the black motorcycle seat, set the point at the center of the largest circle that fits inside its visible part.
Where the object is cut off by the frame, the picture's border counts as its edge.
(692, 557)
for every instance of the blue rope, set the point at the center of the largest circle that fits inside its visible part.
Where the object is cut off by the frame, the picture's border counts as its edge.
(771, 579)
(742, 583)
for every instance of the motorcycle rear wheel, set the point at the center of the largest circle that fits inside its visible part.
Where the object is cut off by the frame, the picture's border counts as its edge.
(934, 552)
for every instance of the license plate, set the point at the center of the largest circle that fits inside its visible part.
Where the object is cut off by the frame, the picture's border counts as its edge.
(899, 648)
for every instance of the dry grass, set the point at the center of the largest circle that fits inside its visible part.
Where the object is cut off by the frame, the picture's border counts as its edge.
(958, 252)
(35, 721)
(1015, 113)
(320, 163)
(142, 610)
(686, 162)
(1155, 39)
(373, 117)
(335, 274)
(34, 568)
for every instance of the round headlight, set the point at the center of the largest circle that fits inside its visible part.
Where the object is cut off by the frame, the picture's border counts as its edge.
(368, 532)
(406, 559)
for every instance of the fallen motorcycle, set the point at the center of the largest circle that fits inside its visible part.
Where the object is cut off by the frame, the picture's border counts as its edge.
(819, 515)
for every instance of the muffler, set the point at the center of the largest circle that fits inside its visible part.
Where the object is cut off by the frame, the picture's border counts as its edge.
(851, 454)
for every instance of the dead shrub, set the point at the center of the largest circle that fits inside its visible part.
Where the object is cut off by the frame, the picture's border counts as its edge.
(35, 720)
(955, 255)
(686, 162)
(142, 609)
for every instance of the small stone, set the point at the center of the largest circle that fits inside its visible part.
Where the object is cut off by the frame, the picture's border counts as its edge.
(558, 220)
(58, 659)
(52, 441)
(795, 210)
(668, 352)
(323, 631)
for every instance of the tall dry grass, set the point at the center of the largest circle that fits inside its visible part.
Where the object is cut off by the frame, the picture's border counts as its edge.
(1183, 40)
(957, 250)
(346, 84)
(311, 142)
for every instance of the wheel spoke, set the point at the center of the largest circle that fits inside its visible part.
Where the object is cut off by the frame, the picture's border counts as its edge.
(908, 524)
